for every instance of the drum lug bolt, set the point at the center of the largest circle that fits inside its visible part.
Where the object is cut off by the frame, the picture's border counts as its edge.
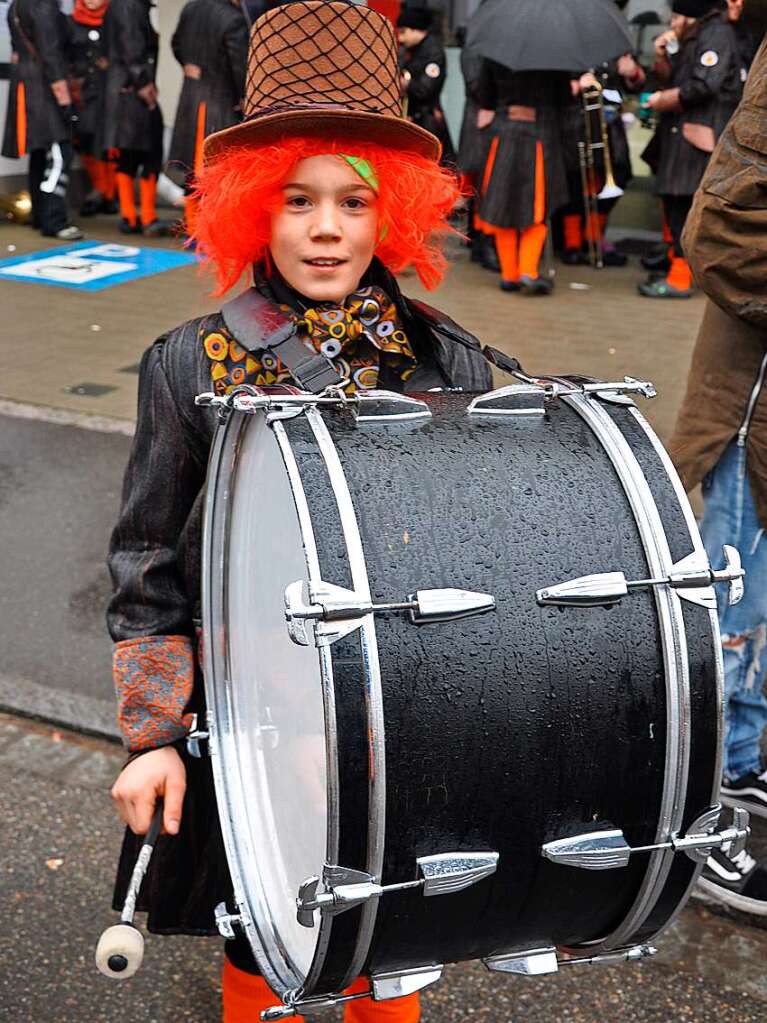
(336, 611)
(606, 850)
(624, 955)
(344, 888)
(692, 578)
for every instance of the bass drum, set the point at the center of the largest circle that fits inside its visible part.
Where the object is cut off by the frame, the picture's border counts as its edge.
(407, 720)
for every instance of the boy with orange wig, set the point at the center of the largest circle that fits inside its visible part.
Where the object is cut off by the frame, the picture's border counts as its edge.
(322, 192)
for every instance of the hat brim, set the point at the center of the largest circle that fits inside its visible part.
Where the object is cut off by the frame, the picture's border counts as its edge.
(357, 125)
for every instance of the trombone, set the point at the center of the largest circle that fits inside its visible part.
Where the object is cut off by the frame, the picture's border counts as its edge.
(592, 99)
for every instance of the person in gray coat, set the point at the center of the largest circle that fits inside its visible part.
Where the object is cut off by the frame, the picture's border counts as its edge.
(38, 122)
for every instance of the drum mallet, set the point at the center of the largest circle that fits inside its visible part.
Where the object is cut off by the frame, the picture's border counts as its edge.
(120, 950)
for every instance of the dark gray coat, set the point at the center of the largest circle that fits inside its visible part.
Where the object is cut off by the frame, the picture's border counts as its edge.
(39, 39)
(212, 34)
(473, 143)
(707, 72)
(426, 65)
(130, 45)
(86, 49)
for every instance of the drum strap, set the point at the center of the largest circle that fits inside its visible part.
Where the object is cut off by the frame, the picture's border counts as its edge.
(259, 325)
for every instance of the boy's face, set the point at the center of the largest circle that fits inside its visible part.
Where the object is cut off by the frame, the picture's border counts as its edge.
(410, 37)
(325, 234)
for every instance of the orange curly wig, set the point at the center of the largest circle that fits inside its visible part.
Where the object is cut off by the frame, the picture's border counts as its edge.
(237, 192)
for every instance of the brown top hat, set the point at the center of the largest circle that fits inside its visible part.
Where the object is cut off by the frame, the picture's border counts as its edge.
(323, 68)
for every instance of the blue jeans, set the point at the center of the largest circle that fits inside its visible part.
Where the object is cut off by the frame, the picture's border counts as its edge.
(730, 517)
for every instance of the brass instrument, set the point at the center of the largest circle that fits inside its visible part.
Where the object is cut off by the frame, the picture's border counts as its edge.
(592, 99)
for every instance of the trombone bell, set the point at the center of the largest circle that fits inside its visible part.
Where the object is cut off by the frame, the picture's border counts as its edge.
(610, 191)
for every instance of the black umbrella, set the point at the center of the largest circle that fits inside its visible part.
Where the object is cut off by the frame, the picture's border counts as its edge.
(549, 35)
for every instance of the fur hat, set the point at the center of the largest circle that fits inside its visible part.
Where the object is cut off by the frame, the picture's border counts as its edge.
(415, 17)
(695, 8)
(321, 68)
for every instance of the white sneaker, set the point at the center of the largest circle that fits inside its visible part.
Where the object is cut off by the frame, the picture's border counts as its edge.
(71, 233)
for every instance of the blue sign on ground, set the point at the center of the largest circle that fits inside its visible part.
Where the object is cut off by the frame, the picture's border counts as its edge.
(92, 266)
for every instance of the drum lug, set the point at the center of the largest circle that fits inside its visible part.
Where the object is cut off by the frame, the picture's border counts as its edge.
(336, 611)
(227, 923)
(404, 982)
(375, 406)
(533, 963)
(194, 739)
(515, 400)
(447, 873)
(692, 578)
(606, 850)
(344, 888)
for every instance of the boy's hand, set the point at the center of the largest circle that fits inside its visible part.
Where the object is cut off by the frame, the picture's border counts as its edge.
(159, 774)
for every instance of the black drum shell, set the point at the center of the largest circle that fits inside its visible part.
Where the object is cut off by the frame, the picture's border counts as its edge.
(519, 727)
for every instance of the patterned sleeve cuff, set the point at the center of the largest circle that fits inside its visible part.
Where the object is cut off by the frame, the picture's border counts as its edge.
(153, 677)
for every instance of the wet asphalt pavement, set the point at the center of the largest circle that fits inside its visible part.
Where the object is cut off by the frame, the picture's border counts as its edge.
(59, 846)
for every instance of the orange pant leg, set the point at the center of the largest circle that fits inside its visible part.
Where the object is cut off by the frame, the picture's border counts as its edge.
(245, 996)
(507, 244)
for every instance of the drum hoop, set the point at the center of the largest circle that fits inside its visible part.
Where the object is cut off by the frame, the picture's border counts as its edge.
(215, 528)
(268, 950)
(674, 644)
(328, 697)
(699, 548)
(374, 694)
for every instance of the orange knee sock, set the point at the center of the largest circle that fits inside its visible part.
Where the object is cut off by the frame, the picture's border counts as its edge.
(93, 169)
(507, 244)
(365, 1010)
(571, 225)
(530, 249)
(148, 193)
(245, 996)
(126, 197)
(680, 275)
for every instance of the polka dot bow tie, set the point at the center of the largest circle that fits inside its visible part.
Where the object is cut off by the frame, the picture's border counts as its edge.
(367, 315)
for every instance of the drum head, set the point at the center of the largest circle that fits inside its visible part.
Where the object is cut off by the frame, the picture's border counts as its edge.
(276, 706)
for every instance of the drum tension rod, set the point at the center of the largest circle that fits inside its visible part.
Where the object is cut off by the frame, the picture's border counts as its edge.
(692, 577)
(345, 888)
(607, 850)
(337, 612)
(383, 986)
